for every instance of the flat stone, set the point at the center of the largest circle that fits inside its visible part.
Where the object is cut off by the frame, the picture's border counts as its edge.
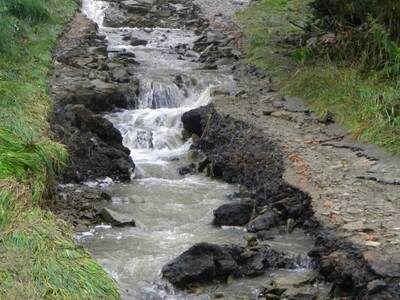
(281, 114)
(137, 42)
(354, 226)
(294, 105)
(376, 286)
(135, 6)
(116, 218)
(383, 265)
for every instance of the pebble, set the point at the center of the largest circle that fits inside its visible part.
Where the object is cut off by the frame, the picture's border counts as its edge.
(372, 244)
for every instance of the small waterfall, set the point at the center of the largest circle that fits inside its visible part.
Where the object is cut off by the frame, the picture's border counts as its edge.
(158, 94)
(94, 10)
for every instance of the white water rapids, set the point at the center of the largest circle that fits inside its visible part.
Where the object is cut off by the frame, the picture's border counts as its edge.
(172, 212)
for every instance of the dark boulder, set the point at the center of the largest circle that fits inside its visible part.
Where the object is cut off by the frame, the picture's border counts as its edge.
(116, 219)
(189, 169)
(202, 263)
(205, 263)
(137, 42)
(234, 214)
(264, 222)
(193, 120)
(94, 144)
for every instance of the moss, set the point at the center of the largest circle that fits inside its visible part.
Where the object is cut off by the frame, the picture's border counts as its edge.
(365, 102)
(38, 256)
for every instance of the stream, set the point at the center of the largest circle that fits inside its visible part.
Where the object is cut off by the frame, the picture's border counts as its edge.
(172, 212)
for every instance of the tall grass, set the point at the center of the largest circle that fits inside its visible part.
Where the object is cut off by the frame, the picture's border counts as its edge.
(6, 36)
(39, 259)
(30, 10)
(29, 161)
(367, 32)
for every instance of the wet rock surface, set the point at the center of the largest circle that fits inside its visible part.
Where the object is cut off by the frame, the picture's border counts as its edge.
(115, 218)
(205, 263)
(85, 82)
(94, 145)
(152, 13)
(238, 213)
(237, 153)
(78, 205)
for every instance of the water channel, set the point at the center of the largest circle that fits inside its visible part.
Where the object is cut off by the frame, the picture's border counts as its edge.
(172, 212)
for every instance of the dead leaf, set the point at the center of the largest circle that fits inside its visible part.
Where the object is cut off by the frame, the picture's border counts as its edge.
(371, 237)
(328, 203)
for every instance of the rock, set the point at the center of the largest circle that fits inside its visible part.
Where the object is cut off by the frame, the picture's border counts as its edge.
(214, 36)
(71, 86)
(263, 222)
(265, 235)
(120, 75)
(202, 263)
(294, 105)
(190, 169)
(376, 286)
(135, 7)
(383, 265)
(327, 118)
(115, 17)
(192, 120)
(137, 42)
(234, 214)
(210, 67)
(116, 219)
(354, 226)
(78, 205)
(94, 144)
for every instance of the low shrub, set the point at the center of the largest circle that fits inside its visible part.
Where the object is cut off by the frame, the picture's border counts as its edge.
(362, 32)
(30, 10)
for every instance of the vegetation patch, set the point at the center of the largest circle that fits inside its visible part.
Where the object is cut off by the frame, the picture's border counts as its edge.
(38, 256)
(344, 61)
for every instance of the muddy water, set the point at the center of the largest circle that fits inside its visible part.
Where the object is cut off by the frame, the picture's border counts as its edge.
(171, 212)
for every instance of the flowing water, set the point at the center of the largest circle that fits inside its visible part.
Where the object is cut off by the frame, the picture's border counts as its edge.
(172, 212)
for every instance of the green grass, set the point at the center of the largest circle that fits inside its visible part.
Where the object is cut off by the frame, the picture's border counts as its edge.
(38, 256)
(28, 10)
(368, 103)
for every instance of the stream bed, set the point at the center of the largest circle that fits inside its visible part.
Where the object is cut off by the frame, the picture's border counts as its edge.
(172, 212)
